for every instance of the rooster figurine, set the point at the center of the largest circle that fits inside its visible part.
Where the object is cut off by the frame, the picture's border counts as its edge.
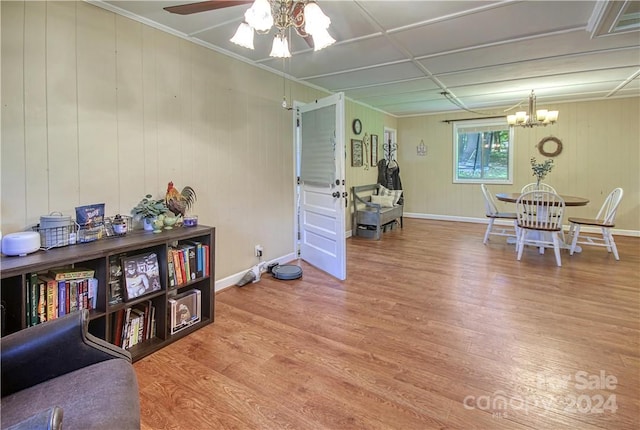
(179, 202)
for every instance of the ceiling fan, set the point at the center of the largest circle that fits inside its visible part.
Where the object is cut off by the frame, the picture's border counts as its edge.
(203, 6)
(304, 16)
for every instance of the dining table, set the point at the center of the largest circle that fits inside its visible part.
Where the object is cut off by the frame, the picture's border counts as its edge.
(568, 201)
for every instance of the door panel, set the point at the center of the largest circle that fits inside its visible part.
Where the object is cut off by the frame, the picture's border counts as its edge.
(322, 198)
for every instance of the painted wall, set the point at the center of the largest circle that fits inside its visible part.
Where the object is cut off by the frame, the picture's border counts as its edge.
(373, 122)
(601, 151)
(99, 108)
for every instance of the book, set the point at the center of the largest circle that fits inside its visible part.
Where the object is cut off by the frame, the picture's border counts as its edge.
(27, 307)
(34, 297)
(42, 301)
(118, 322)
(170, 271)
(51, 297)
(207, 257)
(73, 296)
(199, 258)
(93, 293)
(62, 298)
(193, 262)
(68, 273)
(178, 266)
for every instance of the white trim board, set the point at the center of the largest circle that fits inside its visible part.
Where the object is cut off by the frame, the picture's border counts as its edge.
(619, 232)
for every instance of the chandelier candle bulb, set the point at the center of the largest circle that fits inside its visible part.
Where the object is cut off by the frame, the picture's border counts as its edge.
(533, 117)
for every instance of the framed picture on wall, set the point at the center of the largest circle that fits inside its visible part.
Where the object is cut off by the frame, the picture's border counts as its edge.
(356, 153)
(374, 149)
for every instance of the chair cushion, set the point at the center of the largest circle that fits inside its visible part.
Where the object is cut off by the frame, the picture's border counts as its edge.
(383, 201)
(100, 396)
(387, 192)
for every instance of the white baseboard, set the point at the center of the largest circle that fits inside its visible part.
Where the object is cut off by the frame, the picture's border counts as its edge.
(232, 280)
(619, 232)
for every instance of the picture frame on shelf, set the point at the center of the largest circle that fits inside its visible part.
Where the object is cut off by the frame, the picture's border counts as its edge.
(141, 275)
(185, 310)
(356, 153)
(374, 149)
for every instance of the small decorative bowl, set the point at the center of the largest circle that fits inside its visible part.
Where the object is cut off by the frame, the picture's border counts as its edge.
(190, 221)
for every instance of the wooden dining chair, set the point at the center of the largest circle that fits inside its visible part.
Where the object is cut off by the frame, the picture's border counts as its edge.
(492, 212)
(534, 187)
(605, 220)
(539, 221)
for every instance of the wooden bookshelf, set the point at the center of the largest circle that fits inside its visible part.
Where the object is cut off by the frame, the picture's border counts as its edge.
(15, 273)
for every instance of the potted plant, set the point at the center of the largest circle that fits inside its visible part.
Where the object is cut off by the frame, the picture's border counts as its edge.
(540, 170)
(147, 210)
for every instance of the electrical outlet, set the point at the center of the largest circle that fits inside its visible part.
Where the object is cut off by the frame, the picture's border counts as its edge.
(258, 251)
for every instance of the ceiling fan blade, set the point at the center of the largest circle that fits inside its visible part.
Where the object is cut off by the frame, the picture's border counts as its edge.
(203, 6)
(309, 40)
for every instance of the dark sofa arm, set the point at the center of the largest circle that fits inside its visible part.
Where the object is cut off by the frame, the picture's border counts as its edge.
(51, 349)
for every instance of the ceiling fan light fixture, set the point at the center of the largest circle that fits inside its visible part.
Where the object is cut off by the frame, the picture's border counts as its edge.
(280, 48)
(259, 16)
(305, 16)
(243, 36)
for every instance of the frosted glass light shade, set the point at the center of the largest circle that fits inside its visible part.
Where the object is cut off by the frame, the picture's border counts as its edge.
(243, 36)
(259, 16)
(552, 115)
(314, 19)
(280, 48)
(322, 39)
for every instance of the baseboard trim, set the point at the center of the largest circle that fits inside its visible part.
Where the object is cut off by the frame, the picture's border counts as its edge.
(232, 280)
(619, 232)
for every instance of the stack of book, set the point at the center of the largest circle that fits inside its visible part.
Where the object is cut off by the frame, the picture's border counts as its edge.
(187, 261)
(134, 325)
(59, 292)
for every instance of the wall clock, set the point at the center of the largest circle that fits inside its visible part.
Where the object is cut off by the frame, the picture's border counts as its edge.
(357, 126)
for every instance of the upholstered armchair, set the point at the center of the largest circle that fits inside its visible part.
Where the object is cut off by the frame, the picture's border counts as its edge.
(57, 375)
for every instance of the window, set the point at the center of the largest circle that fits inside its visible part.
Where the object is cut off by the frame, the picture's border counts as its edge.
(482, 151)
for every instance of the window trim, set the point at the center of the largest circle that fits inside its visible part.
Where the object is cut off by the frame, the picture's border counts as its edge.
(499, 123)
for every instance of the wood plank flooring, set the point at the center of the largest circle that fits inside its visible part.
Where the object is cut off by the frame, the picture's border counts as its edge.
(431, 330)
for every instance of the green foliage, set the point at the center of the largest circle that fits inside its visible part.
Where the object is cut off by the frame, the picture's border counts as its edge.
(540, 170)
(149, 208)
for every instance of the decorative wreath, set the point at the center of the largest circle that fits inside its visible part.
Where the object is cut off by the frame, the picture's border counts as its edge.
(558, 143)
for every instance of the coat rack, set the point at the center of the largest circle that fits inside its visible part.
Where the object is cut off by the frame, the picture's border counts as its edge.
(389, 150)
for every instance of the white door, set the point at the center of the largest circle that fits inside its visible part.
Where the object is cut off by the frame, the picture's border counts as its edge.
(322, 190)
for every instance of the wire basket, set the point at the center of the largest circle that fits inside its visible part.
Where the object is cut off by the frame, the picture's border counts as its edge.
(55, 237)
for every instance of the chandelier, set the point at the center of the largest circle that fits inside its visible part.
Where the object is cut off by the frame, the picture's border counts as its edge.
(305, 16)
(533, 117)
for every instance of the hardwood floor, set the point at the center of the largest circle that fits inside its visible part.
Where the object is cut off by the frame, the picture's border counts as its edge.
(432, 329)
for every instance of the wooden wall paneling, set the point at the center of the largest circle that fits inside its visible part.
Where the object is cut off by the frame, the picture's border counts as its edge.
(186, 141)
(129, 114)
(13, 138)
(62, 107)
(97, 108)
(150, 110)
(168, 90)
(35, 113)
(200, 126)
